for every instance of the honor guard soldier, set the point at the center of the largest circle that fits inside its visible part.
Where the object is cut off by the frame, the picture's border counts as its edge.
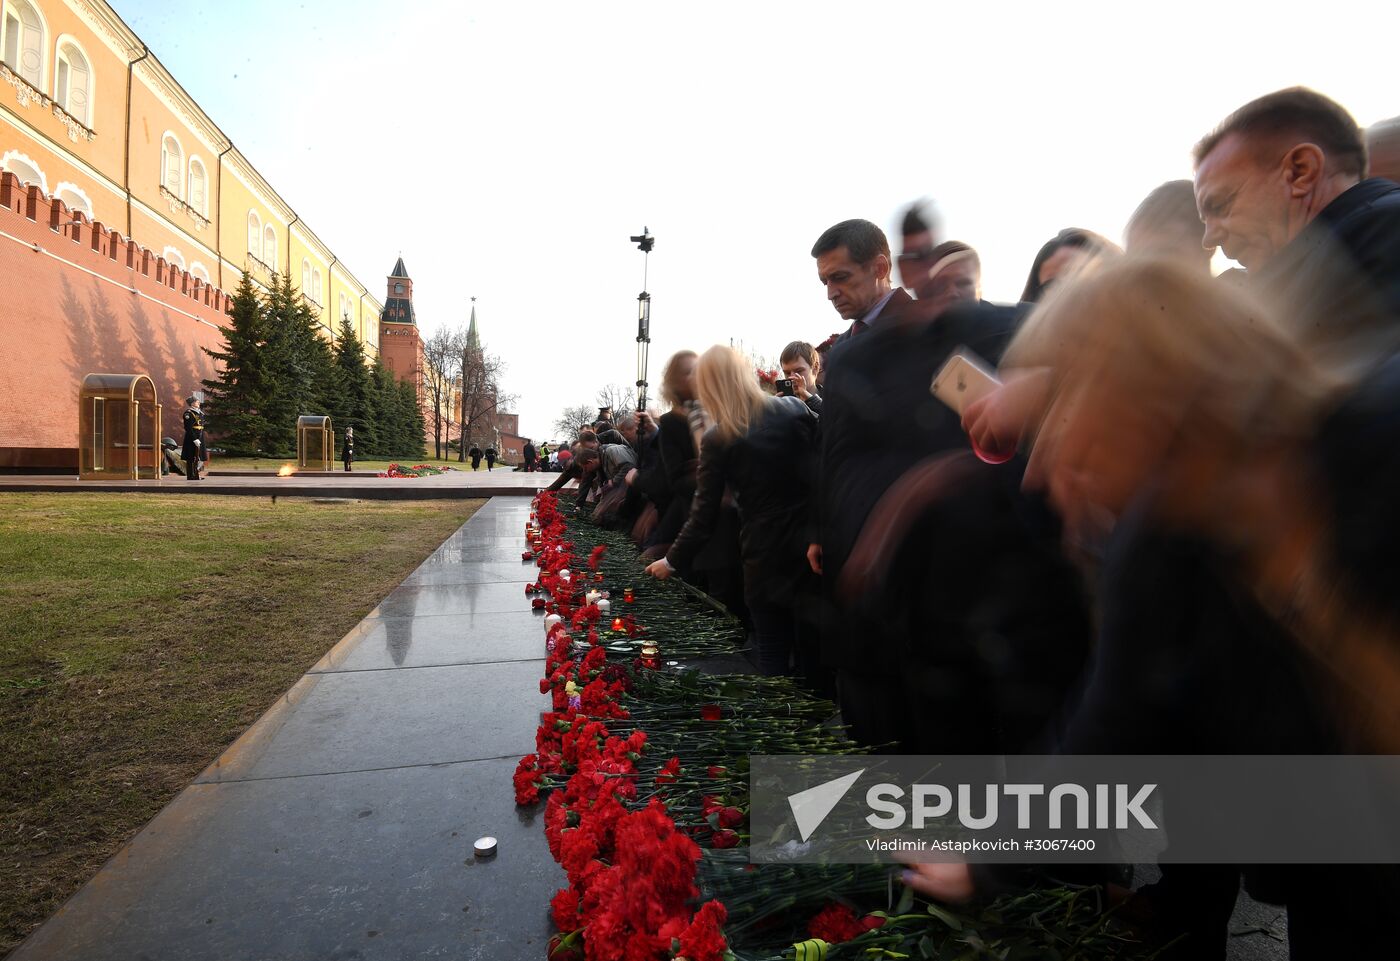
(192, 453)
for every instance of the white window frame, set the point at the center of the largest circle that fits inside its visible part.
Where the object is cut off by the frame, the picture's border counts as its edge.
(15, 5)
(200, 272)
(165, 167)
(201, 208)
(73, 190)
(64, 97)
(173, 257)
(269, 238)
(316, 285)
(254, 235)
(14, 156)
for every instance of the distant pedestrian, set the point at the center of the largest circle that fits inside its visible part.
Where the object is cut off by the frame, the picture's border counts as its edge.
(475, 455)
(490, 458)
(192, 453)
(348, 450)
(529, 454)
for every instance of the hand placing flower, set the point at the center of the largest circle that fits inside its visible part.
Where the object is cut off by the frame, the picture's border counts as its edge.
(660, 569)
(943, 882)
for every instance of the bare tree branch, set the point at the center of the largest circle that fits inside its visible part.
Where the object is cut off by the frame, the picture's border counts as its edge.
(571, 419)
(442, 355)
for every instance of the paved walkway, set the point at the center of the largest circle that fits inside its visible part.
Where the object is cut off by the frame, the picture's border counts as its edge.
(360, 484)
(341, 824)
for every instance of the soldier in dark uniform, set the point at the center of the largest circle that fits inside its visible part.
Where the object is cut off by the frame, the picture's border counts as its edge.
(475, 455)
(490, 458)
(348, 448)
(192, 453)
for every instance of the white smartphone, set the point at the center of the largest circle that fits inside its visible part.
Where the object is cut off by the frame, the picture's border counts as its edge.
(963, 379)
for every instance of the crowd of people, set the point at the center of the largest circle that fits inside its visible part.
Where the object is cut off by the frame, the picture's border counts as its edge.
(1166, 528)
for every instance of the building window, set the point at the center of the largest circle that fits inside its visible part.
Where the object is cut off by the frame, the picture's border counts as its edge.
(75, 198)
(198, 195)
(172, 165)
(174, 258)
(24, 42)
(25, 169)
(269, 247)
(316, 284)
(306, 277)
(254, 234)
(72, 83)
(199, 272)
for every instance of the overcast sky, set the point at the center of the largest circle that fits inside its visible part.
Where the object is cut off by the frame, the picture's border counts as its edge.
(508, 150)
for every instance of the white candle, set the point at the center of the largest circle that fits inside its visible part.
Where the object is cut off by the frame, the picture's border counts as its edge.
(551, 620)
(604, 605)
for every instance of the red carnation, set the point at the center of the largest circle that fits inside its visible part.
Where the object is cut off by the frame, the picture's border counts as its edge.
(538, 603)
(730, 817)
(836, 923)
(714, 770)
(526, 780)
(726, 838)
(704, 940)
(711, 712)
(669, 771)
(564, 908)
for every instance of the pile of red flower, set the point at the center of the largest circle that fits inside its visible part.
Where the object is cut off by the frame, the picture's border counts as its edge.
(631, 892)
(419, 470)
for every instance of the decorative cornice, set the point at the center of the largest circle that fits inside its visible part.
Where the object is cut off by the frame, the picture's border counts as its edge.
(177, 205)
(108, 26)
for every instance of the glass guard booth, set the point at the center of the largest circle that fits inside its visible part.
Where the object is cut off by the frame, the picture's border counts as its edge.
(118, 428)
(315, 442)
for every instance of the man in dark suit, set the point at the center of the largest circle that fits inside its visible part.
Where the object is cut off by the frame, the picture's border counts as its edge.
(1279, 185)
(970, 642)
(853, 264)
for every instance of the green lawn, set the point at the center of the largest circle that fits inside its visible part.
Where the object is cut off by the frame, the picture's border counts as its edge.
(140, 635)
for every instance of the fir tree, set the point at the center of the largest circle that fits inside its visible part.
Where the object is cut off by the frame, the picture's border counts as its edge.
(353, 405)
(236, 400)
(388, 423)
(414, 426)
(301, 365)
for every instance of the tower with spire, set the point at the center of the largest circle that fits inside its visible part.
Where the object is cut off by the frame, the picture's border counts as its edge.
(473, 339)
(400, 344)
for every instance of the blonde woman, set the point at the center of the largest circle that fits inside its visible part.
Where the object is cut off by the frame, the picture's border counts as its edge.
(679, 449)
(762, 448)
(1250, 501)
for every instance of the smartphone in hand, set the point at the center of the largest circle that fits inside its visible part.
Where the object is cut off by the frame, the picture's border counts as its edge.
(963, 380)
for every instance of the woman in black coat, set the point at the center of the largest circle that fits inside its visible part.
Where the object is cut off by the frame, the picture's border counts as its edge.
(762, 448)
(678, 453)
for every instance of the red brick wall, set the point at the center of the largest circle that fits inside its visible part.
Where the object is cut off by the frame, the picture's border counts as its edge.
(68, 309)
(512, 449)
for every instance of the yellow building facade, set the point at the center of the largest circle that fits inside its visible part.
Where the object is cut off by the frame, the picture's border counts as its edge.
(90, 115)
